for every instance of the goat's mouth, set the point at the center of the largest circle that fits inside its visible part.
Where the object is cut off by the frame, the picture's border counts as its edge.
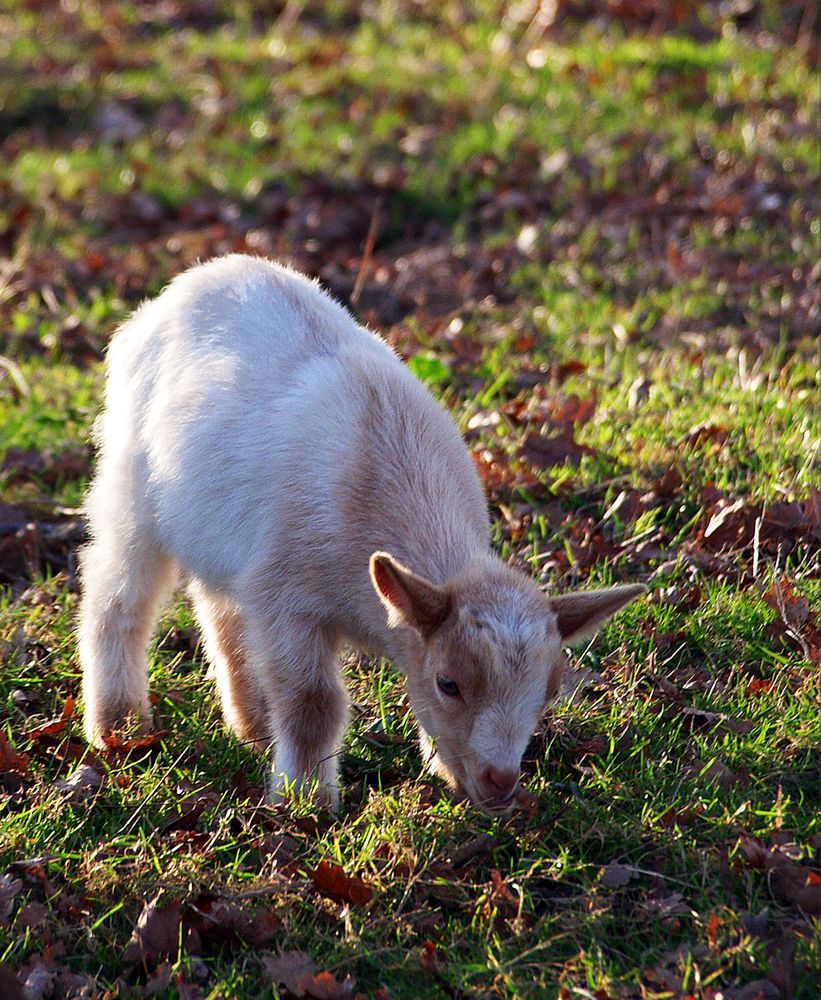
(500, 805)
(464, 786)
(496, 806)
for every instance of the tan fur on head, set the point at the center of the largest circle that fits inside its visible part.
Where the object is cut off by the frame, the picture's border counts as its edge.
(580, 615)
(409, 599)
(499, 643)
(314, 494)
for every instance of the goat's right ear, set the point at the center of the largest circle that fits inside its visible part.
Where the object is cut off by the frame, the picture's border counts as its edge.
(410, 599)
(579, 615)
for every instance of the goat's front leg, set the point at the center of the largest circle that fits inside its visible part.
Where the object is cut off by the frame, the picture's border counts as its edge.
(296, 665)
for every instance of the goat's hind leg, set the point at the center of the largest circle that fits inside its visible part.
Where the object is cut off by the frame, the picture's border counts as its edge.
(244, 702)
(117, 616)
(125, 576)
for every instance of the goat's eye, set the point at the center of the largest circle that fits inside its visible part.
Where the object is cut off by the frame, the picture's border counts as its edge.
(447, 686)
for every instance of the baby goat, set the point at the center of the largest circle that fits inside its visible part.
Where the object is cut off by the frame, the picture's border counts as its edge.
(314, 494)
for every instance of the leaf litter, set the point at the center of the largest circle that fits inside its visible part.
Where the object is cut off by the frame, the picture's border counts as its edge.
(164, 929)
(417, 270)
(331, 880)
(300, 976)
(790, 881)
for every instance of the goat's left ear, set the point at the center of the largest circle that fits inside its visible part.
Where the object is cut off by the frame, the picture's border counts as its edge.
(579, 615)
(409, 599)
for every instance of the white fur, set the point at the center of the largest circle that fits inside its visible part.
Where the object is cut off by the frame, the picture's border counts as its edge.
(256, 438)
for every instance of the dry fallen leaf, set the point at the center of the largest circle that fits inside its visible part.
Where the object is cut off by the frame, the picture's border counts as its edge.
(712, 932)
(793, 608)
(792, 882)
(220, 923)
(717, 773)
(497, 901)
(332, 881)
(616, 875)
(54, 726)
(429, 955)
(39, 981)
(706, 433)
(9, 888)
(10, 988)
(298, 974)
(700, 720)
(545, 452)
(158, 982)
(686, 598)
(162, 931)
(22, 464)
(188, 811)
(81, 783)
(498, 475)
(116, 745)
(10, 760)
(45, 978)
(287, 968)
(157, 934)
(561, 371)
(33, 915)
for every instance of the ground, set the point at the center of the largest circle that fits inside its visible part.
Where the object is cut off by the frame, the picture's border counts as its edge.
(593, 229)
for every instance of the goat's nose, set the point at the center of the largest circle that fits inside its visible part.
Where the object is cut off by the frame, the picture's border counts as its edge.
(498, 784)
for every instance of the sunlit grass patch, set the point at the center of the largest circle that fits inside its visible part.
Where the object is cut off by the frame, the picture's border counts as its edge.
(590, 232)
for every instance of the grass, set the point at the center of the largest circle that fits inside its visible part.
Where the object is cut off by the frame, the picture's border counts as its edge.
(638, 207)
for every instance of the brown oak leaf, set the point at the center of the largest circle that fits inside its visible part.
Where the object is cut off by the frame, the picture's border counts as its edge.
(10, 760)
(332, 881)
(545, 452)
(792, 882)
(300, 976)
(54, 726)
